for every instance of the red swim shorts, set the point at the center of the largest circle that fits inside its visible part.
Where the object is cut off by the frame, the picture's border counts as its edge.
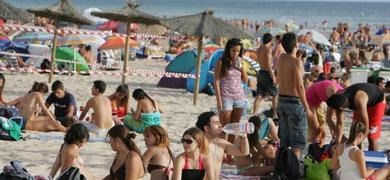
(375, 116)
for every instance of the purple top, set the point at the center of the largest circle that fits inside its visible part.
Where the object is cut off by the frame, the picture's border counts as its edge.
(231, 87)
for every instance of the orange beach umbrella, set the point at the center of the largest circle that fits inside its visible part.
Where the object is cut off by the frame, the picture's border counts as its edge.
(117, 43)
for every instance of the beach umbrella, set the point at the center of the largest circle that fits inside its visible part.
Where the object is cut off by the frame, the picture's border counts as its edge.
(8, 11)
(97, 20)
(30, 37)
(203, 25)
(76, 39)
(62, 11)
(316, 36)
(117, 43)
(129, 14)
(70, 54)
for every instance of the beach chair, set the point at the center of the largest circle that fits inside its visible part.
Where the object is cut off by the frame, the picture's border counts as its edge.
(376, 159)
(12, 61)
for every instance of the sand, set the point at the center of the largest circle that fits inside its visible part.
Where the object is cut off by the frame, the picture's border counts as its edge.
(38, 155)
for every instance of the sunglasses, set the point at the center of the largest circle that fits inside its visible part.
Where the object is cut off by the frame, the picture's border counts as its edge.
(187, 141)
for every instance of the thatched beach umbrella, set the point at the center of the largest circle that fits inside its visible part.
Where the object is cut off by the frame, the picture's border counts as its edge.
(8, 11)
(203, 25)
(62, 11)
(129, 14)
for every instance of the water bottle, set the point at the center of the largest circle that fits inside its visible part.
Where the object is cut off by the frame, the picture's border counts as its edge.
(241, 129)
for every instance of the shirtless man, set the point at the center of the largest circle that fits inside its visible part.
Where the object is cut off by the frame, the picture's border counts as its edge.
(334, 37)
(278, 50)
(101, 105)
(266, 81)
(209, 123)
(292, 98)
(27, 106)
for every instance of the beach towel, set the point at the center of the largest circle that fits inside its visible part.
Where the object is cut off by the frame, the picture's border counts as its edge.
(231, 174)
(376, 159)
(9, 130)
(55, 137)
(146, 120)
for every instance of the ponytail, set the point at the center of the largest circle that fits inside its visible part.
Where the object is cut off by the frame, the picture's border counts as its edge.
(356, 128)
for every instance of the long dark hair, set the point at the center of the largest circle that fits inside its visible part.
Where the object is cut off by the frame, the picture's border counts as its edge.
(254, 137)
(2, 87)
(122, 132)
(123, 89)
(356, 128)
(140, 94)
(39, 87)
(76, 133)
(225, 60)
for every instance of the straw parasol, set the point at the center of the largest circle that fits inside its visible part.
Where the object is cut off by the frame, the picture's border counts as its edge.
(10, 12)
(200, 25)
(62, 11)
(129, 14)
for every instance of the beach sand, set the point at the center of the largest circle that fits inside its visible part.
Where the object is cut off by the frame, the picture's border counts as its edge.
(38, 155)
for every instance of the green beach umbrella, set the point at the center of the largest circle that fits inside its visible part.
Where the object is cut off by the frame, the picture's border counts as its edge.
(8, 11)
(129, 14)
(70, 54)
(203, 24)
(62, 11)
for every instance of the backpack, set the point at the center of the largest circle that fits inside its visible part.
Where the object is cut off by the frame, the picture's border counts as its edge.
(9, 130)
(15, 172)
(8, 111)
(71, 173)
(287, 165)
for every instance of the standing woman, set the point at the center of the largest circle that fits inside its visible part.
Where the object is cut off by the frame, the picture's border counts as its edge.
(194, 163)
(128, 160)
(158, 157)
(229, 75)
(120, 103)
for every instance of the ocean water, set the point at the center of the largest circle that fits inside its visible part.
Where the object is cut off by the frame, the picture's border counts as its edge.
(260, 10)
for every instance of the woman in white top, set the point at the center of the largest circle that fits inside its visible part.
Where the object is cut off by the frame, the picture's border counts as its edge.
(350, 159)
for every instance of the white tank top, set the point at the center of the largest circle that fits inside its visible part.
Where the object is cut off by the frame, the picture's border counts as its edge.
(348, 167)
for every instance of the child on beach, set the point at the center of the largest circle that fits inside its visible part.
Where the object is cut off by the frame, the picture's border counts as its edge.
(350, 159)
(194, 163)
(68, 155)
(147, 112)
(158, 157)
(120, 103)
(128, 159)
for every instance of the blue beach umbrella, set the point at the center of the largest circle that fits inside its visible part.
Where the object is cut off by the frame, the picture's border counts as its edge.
(18, 48)
(30, 37)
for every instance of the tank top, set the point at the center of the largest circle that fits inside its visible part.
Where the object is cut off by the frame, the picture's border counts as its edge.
(375, 95)
(348, 167)
(231, 87)
(316, 93)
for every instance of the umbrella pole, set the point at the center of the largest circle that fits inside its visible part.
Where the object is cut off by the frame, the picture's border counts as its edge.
(126, 54)
(196, 90)
(53, 54)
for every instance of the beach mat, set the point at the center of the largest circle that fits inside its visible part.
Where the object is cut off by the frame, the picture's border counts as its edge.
(228, 174)
(386, 118)
(55, 137)
(376, 159)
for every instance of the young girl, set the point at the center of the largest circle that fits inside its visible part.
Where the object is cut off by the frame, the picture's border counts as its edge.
(147, 112)
(120, 103)
(128, 160)
(194, 163)
(229, 75)
(158, 157)
(350, 159)
(68, 156)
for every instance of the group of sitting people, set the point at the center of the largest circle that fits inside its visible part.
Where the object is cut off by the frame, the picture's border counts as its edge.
(107, 111)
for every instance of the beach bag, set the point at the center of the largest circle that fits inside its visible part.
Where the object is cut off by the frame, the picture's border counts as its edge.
(8, 111)
(15, 171)
(9, 130)
(71, 173)
(287, 165)
(316, 170)
(320, 153)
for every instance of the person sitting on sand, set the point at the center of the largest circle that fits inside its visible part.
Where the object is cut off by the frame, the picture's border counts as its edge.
(120, 103)
(101, 119)
(158, 157)
(351, 161)
(147, 112)
(28, 105)
(194, 162)
(262, 151)
(128, 160)
(209, 123)
(68, 155)
(64, 104)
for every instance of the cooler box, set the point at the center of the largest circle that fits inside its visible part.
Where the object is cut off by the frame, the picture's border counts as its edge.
(375, 159)
(359, 75)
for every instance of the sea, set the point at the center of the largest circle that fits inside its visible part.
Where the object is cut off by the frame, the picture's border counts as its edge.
(311, 13)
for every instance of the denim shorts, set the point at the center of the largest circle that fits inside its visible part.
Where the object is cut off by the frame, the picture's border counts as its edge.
(292, 122)
(229, 104)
